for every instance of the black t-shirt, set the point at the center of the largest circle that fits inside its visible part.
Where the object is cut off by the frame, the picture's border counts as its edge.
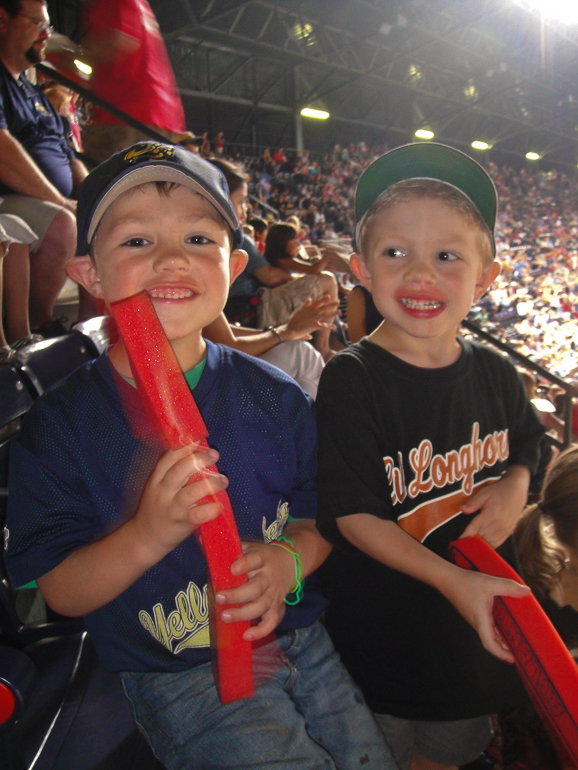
(407, 444)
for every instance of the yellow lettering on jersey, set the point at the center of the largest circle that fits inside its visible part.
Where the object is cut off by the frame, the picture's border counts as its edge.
(189, 622)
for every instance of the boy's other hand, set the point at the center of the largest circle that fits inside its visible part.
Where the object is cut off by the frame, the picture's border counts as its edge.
(499, 505)
(473, 596)
(271, 575)
(168, 511)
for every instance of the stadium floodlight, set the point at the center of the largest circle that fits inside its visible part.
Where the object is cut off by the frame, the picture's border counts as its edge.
(564, 11)
(423, 133)
(532, 156)
(480, 145)
(85, 68)
(307, 112)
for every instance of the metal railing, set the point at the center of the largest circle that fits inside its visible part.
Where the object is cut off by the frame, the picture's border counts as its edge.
(58, 77)
(527, 363)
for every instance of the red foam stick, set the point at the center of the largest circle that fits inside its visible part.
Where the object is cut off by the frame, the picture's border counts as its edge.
(172, 409)
(546, 668)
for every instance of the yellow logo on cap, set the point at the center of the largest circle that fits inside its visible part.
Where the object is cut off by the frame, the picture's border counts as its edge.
(149, 151)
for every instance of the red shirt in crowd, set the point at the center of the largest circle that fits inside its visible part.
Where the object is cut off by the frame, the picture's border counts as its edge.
(140, 82)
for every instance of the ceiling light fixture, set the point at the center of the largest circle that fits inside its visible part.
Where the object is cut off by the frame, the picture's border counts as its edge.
(307, 112)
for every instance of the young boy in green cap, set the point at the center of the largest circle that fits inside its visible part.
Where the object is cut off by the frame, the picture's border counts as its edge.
(424, 438)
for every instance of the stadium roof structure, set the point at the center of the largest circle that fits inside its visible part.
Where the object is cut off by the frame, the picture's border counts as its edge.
(485, 70)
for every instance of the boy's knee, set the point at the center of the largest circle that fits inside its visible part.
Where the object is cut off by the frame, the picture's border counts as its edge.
(62, 232)
(328, 282)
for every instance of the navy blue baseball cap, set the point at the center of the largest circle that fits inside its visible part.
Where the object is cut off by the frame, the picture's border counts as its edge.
(149, 162)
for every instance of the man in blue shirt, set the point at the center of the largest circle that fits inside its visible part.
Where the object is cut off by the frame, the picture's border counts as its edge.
(38, 171)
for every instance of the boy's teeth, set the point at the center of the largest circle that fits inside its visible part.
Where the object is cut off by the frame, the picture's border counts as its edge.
(171, 293)
(421, 304)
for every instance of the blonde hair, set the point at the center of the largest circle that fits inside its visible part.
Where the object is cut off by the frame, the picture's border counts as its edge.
(294, 221)
(417, 189)
(552, 523)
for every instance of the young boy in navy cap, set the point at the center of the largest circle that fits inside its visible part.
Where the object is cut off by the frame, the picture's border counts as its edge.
(102, 517)
(424, 438)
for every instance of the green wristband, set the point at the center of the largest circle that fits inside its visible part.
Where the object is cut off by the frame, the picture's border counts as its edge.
(297, 587)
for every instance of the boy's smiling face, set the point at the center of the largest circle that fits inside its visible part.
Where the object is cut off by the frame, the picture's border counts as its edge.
(174, 246)
(423, 264)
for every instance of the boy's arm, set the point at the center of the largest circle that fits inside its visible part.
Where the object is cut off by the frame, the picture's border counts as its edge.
(471, 593)
(298, 266)
(271, 573)
(310, 317)
(499, 505)
(167, 514)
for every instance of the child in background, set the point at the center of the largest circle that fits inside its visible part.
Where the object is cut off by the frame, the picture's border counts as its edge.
(260, 226)
(424, 438)
(110, 516)
(547, 539)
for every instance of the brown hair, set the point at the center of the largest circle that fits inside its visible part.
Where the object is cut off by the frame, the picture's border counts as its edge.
(163, 189)
(232, 173)
(277, 239)
(258, 224)
(416, 189)
(549, 525)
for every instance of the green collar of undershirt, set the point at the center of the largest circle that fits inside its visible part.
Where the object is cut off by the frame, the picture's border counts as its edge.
(192, 376)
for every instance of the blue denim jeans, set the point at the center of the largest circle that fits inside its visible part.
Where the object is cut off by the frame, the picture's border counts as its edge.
(306, 714)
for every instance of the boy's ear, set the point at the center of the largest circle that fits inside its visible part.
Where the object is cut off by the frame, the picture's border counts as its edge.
(237, 263)
(83, 271)
(487, 277)
(357, 264)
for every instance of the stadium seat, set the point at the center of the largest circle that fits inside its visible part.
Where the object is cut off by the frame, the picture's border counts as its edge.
(59, 709)
(68, 713)
(50, 361)
(97, 329)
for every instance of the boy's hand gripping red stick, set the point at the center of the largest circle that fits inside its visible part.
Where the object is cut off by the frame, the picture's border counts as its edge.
(172, 409)
(547, 669)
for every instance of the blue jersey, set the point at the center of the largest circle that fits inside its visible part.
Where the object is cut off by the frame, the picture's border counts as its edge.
(32, 120)
(78, 468)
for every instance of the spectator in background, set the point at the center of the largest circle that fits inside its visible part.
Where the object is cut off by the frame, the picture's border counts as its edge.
(131, 71)
(192, 143)
(279, 156)
(205, 145)
(260, 227)
(258, 271)
(283, 346)
(219, 144)
(283, 252)
(38, 172)
(258, 276)
(63, 100)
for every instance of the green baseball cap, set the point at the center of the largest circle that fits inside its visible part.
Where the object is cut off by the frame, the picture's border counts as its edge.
(423, 160)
